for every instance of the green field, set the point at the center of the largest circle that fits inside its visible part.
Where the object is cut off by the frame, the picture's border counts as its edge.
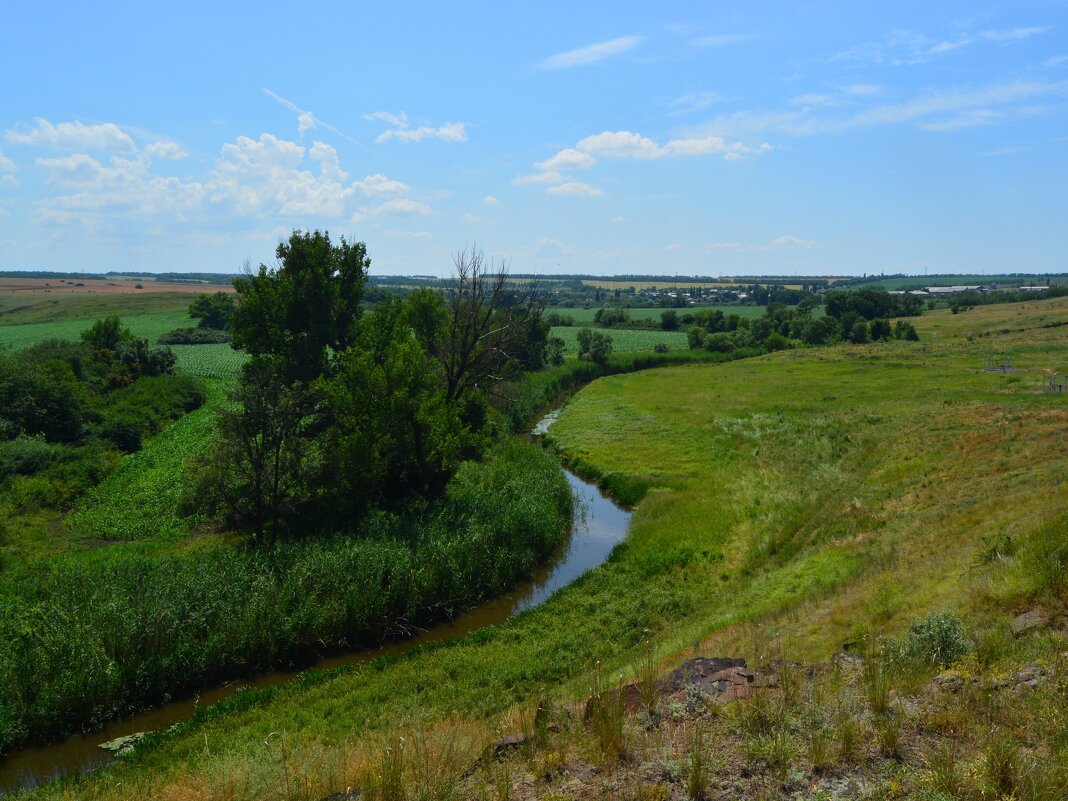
(150, 326)
(624, 340)
(18, 308)
(785, 505)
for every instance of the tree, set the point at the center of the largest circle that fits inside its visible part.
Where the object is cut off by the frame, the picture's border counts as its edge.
(880, 330)
(485, 328)
(594, 346)
(858, 334)
(669, 320)
(554, 351)
(303, 311)
(213, 311)
(264, 452)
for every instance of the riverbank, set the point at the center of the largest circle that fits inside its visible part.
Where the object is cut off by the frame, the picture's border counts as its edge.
(792, 503)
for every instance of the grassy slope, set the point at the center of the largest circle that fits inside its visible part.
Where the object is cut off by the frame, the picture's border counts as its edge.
(794, 502)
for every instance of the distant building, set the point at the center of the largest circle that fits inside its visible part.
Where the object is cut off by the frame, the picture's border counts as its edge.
(953, 290)
(1033, 288)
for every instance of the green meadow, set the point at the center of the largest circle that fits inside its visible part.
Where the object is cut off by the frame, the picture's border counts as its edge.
(784, 506)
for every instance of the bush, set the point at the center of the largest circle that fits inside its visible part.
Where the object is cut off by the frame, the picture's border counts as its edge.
(24, 456)
(195, 336)
(938, 639)
(85, 640)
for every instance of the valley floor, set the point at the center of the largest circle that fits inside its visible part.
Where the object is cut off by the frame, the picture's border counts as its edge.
(787, 507)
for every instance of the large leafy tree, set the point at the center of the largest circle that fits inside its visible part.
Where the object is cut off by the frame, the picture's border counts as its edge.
(213, 311)
(303, 311)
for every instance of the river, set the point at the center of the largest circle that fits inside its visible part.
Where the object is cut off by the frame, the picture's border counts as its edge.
(598, 526)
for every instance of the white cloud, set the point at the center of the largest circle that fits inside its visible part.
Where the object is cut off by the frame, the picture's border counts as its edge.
(305, 122)
(449, 132)
(619, 218)
(490, 200)
(548, 248)
(398, 207)
(591, 54)
(378, 184)
(6, 164)
(74, 136)
(777, 243)
(910, 48)
(166, 150)
(575, 189)
(674, 247)
(567, 159)
(925, 108)
(93, 192)
(966, 119)
(7, 179)
(692, 102)
(538, 178)
(621, 144)
(472, 218)
(626, 144)
(1013, 34)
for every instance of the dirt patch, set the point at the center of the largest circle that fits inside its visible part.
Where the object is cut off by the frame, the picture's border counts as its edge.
(95, 286)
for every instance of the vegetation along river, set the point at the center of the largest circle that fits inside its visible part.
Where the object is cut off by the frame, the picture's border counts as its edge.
(598, 526)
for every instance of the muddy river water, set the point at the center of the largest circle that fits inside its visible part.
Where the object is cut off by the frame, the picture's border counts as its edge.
(598, 526)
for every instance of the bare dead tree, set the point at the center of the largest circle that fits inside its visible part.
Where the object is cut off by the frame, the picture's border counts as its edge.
(489, 320)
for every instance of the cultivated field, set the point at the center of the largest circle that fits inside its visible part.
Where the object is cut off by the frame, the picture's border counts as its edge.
(624, 340)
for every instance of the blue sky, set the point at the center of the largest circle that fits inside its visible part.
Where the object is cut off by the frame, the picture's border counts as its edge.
(605, 138)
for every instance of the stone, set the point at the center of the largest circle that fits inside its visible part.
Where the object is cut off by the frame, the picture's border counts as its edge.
(1028, 621)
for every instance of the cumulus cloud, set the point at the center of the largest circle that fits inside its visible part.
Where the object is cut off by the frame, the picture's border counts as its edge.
(449, 132)
(591, 54)
(627, 144)
(575, 189)
(257, 178)
(378, 184)
(166, 150)
(73, 136)
(567, 159)
(549, 248)
(490, 200)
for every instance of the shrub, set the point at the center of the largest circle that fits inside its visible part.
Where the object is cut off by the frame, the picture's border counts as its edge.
(195, 336)
(24, 456)
(938, 639)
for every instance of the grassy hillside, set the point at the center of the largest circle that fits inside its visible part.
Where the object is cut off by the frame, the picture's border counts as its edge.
(786, 505)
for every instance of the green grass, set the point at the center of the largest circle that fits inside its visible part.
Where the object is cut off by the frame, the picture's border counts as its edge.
(624, 340)
(785, 504)
(208, 361)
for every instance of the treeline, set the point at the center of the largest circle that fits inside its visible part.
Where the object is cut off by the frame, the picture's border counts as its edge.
(855, 317)
(68, 410)
(341, 410)
(969, 300)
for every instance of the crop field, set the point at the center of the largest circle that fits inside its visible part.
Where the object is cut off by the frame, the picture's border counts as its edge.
(20, 308)
(624, 340)
(587, 315)
(139, 499)
(151, 326)
(209, 361)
